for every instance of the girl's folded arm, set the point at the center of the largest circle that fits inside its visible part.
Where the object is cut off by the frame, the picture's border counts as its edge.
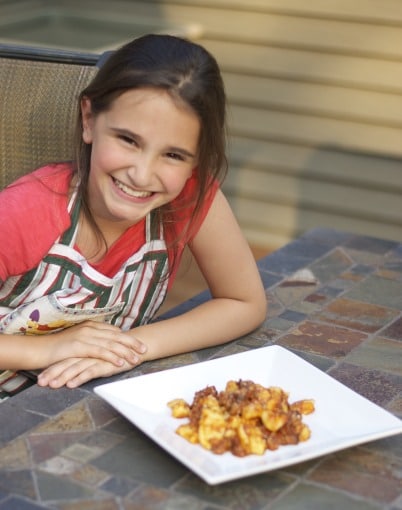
(19, 352)
(88, 339)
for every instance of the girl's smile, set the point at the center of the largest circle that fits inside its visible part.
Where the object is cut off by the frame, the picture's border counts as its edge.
(130, 191)
(144, 149)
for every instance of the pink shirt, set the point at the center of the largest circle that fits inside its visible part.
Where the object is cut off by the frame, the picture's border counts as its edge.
(33, 212)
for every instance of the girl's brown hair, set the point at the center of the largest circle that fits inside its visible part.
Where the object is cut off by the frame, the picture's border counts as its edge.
(189, 73)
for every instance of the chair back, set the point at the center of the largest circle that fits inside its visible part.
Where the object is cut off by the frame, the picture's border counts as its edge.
(38, 105)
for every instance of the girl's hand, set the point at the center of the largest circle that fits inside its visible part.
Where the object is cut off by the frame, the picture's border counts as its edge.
(98, 341)
(73, 372)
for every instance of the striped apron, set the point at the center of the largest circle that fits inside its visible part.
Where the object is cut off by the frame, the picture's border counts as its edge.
(64, 289)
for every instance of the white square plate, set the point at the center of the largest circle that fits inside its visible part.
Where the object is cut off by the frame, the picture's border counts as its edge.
(342, 417)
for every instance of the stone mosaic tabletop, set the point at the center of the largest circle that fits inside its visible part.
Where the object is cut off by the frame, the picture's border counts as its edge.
(333, 298)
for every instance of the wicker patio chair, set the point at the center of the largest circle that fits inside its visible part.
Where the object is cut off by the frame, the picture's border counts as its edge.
(38, 102)
(39, 89)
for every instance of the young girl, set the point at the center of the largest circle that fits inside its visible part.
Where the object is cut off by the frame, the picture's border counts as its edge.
(89, 249)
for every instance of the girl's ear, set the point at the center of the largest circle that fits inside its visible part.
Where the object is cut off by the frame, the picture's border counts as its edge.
(87, 119)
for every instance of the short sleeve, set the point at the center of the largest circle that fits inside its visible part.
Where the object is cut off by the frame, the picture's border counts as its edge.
(33, 212)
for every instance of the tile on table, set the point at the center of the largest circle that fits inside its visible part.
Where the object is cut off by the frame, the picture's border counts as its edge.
(321, 362)
(167, 363)
(358, 315)
(140, 459)
(394, 330)
(301, 468)
(396, 252)
(102, 503)
(350, 275)
(155, 498)
(342, 284)
(274, 305)
(379, 387)
(391, 266)
(365, 257)
(371, 244)
(119, 485)
(101, 440)
(266, 336)
(48, 401)
(19, 482)
(58, 488)
(17, 503)
(15, 455)
(395, 405)
(14, 421)
(312, 497)
(269, 279)
(230, 348)
(75, 419)
(394, 257)
(262, 337)
(89, 475)
(100, 411)
(46, 446)
(252, 493)
(391, 446)
(279, 324)
(362, 472)
(389, 273)
(378, 291)
(292, 316)
(59, 466)
(305, 307)
(327, 268)
(80, 452)
(120, 427)
(323, 295)
(323, 339)
(330, 236)
(293, 256)
(397, 504)
(361, 270)
(378, 353)
(287, 295)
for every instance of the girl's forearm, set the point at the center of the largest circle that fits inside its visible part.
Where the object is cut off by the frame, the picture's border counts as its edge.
(89, 339)
(23, 352)
(214, 322)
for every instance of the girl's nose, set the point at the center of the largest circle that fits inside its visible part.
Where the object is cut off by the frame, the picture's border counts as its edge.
(141, 171)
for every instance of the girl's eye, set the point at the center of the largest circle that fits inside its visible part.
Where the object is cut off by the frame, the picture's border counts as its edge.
(127, 139)
(174, 155)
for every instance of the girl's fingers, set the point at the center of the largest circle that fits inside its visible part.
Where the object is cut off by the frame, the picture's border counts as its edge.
(90, 350)
(89, 341)
(110, 351)
(133, 343)
(52, 373)
(110, 337)
(122, 338)
(76, 371)
(86, 371)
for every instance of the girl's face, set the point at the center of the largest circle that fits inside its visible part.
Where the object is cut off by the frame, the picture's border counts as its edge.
(144, 149)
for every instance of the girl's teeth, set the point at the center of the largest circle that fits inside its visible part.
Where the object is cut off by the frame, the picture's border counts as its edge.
(132, 192)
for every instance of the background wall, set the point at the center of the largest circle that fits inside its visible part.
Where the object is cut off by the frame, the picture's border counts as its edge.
(315, 97)
(315, 112)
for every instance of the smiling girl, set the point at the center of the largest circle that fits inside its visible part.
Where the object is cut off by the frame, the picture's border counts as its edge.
(90, 248)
